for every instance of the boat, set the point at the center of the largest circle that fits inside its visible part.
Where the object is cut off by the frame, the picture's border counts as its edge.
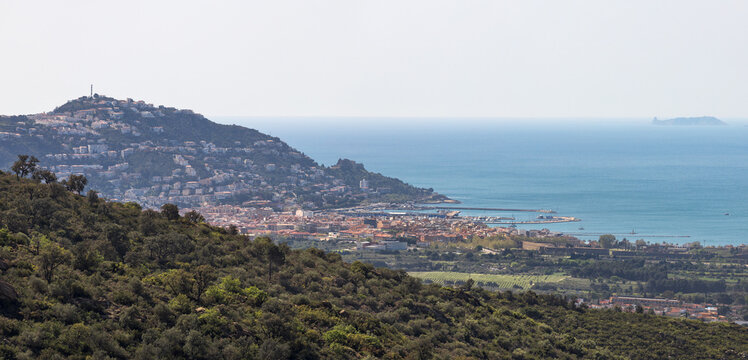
(581, 228)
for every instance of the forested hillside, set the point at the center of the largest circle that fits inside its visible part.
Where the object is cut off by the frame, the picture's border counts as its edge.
(83, 277)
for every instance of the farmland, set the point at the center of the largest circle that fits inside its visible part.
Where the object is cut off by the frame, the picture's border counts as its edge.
(524, 282)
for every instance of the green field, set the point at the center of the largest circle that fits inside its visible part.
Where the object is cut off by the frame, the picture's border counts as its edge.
(501, 281)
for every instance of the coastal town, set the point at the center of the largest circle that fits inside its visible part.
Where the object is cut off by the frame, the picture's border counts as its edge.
(372, 230)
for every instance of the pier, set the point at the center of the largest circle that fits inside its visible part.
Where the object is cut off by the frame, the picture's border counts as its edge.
(392, 214)
(546, 211)
(489, 219)
(553, 220)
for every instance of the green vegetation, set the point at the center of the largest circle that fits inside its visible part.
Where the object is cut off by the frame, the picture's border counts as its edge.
(395, 190)
(701, 275)
(497, 242)
(85, 278)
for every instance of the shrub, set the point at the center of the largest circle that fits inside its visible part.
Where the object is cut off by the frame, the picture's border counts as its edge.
(212, 322)
(181, 304)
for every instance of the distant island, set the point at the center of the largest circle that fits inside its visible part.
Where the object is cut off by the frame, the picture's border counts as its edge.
(690, 121)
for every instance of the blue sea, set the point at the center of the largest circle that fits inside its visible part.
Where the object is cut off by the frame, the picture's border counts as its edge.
(629, 178)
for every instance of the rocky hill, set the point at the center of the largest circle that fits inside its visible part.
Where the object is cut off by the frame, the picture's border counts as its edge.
(85, 278)
(134, 151)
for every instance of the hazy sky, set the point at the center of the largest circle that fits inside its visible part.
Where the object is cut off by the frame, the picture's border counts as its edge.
(382, 58)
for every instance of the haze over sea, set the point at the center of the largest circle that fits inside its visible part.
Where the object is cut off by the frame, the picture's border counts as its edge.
(664, 183)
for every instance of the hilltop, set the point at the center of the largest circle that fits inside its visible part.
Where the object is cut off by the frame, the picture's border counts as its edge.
(83, 277)
(133, 151)
(690, 121)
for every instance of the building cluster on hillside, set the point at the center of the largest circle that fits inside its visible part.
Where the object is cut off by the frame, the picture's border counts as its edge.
(665, 307)
(114, 144)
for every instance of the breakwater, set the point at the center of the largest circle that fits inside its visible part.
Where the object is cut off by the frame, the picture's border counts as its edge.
(546, 211)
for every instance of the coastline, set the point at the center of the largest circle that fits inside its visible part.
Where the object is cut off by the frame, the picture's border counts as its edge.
(616, 177)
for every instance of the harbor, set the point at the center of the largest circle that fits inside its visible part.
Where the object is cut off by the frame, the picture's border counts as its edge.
(449, 212)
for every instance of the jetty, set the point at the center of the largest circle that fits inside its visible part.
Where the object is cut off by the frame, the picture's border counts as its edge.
(549, 220)
(546, 211)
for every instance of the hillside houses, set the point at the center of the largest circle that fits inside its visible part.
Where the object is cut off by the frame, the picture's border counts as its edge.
(134, 151)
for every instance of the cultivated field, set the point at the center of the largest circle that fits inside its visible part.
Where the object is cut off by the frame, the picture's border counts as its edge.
(501, 281)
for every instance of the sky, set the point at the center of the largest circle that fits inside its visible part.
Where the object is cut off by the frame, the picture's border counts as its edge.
(382, 58)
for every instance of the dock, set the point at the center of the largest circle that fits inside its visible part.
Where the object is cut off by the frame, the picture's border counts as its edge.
(554, 220)
(546, 211)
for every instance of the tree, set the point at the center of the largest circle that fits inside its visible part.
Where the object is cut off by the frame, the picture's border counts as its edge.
(93, 197)
(117, 237)
(468, 285)
(24, 165)
(51, 257)
(271, 252)
(204, 275)
(607, 241)
(194, 217)
(44, 175)
(179, 281)
(162, 247)
(170, 211)
(75, 183)
(147, 222)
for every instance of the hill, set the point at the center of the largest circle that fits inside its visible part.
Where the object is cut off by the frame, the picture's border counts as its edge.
(83, 277)
(690, 121)
(134, 151)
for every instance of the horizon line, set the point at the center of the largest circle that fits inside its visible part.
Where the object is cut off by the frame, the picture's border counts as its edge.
(457, 117)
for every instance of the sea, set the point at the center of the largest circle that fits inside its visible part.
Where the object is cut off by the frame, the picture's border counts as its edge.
(620, 176)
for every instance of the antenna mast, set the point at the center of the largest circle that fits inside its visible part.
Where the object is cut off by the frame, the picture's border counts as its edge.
(91, 91)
